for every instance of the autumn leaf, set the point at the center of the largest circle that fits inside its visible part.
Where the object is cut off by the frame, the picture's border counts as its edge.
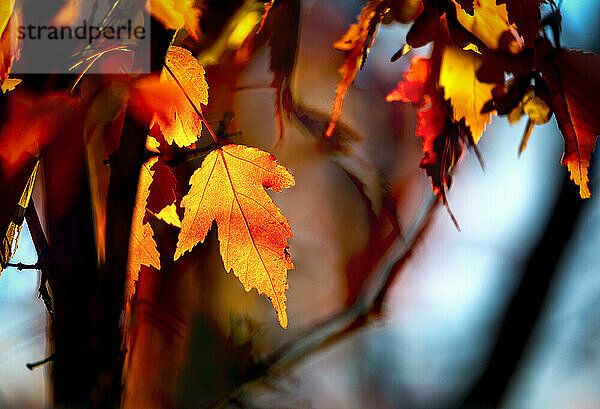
(355, 43)
(441, 140)
(572, 78)
(142, 247)
(228, 189)
(458, 77)
(155, 196)
(487, 22)
(184, 123)
(176, 14)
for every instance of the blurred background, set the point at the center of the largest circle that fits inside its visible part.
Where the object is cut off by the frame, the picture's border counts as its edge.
(442, 317)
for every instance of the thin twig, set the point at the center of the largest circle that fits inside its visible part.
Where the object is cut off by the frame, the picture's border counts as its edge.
(345, 322)
(32, 365)
(23, 266)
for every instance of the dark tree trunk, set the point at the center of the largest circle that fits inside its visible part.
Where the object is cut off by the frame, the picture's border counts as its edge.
(526, 303)
(88, 300)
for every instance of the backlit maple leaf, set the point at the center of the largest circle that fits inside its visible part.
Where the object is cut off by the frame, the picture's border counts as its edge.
(441, 141)
(183, 123)
(458, 77)
(142, 247)
(229, 189)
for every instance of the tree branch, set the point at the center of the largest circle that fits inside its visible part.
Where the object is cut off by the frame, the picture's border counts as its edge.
(368, 305)
(126, 163)
(23, 266)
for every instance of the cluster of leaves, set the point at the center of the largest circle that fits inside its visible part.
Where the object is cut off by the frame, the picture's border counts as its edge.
(488, 57)
(227, 188)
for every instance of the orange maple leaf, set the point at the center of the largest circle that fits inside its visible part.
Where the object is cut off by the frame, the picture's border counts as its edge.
(184, 121)
(142, 247)
(355, 42)
(253, 233)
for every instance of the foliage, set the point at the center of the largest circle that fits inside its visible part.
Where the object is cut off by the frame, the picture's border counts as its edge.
(488, 57)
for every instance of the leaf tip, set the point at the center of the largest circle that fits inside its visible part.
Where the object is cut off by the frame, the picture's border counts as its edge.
(579, 175)
(283, 319)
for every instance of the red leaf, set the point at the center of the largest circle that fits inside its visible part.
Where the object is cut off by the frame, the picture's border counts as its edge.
(441, 139)
(574, 85)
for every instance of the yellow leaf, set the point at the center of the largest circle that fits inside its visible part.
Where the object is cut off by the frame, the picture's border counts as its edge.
(176, 14)
(488, 22)
(229, 189)
(142, 247)
(466, 94)
(184, 72)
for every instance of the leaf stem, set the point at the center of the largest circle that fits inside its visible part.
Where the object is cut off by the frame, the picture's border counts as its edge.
(32, 365)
